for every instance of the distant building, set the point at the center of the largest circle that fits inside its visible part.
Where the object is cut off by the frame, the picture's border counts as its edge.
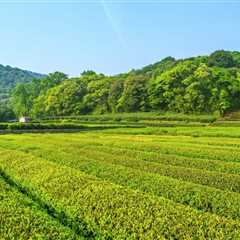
(24, 119)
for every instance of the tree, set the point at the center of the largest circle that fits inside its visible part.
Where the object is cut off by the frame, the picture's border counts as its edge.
(51, 80)
(194, 85)
(6, 113)
(221, 58)
(134, 97)
(62, 100)
(115, 92)
(96, 99)
(20, 100)
(197, 91)
(166, 89)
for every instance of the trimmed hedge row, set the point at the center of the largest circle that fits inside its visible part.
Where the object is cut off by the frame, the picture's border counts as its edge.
(208, 131)
(119, 213)
(200, 197)
(8, 127)
(135, 117)
(180, 148)
(96, 162)
(223, 203)
(125, 151)
(219, 180)
(170, 159)
(30, 126)
(139, 123)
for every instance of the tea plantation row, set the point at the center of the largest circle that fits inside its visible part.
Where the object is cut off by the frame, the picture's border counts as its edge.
(115, 185)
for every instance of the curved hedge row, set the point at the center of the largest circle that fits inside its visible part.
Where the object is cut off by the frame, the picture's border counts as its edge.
(215, 179)
(205, 198)
(127, 152)
(169, 159)
(183, 149)
(118, 212)
(219, 180)
(180, 146)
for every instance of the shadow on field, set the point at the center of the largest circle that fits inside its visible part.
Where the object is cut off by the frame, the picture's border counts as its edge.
(78, 226)
(85, 129)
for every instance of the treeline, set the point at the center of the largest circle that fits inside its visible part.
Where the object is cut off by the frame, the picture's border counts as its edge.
(205, 84)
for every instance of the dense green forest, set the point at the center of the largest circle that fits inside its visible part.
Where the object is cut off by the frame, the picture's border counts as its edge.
(9, 77)
(203, 84)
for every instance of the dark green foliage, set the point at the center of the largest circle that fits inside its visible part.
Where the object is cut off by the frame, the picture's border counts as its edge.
(204, 84)
(134, 97)
(155, 69)
(221, 58)
(25, 95)
(167, 89)
(52, 80)
(32, 126)
(115, 93)
(6, 112)
(150, 117)
(10, 76)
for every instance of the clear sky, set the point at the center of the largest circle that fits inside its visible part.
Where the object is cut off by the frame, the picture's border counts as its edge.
(112, 37)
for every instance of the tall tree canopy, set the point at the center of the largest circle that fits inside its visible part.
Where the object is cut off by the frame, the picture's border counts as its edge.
(204, 84)
(61, 100)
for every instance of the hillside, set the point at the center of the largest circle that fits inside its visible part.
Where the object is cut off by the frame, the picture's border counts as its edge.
(9, 76)
(202, 84)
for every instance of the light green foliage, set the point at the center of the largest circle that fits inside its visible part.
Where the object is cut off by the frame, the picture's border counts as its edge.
(96, 99)
(52, 80)
(21, 218)
(205, 84)
(24, 95)
(21, 100)
(115, 93)
(110, 210)
(167, 88)
(62, 100)
(134, 96)
(121, 184)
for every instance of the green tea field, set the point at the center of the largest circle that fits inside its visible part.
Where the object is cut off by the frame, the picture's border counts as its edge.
(121, 183)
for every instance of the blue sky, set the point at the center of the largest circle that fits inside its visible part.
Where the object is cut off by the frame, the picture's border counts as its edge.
(112, 37)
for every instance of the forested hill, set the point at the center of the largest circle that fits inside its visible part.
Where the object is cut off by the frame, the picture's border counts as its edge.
(9, 76)
(203, 84)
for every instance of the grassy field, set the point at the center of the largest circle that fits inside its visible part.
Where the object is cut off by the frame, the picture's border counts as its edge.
(121, 183)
